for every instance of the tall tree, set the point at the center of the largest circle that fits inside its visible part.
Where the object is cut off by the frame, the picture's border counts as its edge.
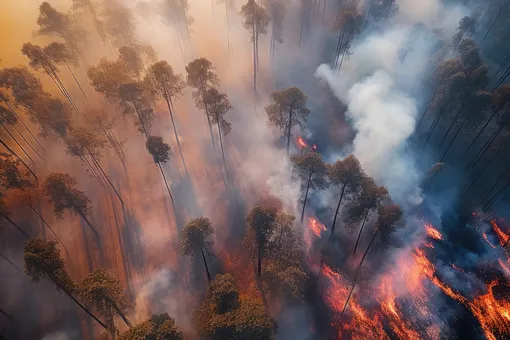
(196, 239)
(159, 326)
(5, 214)
(200, 77)
(58, 53)
(107, 77)
(287, 110)
(169, 85)
(312, 172)
(467, 25)
(160, 152)
(100, 120)
(261, 221)
(132, 59)
(346, 174)
(59, 189)
(118, 22)
(218, 106)
(136, 98)
(348, 23)
(101, 289)
(225, 315)
(43, 261)
(370, 199)
(276, 10)
(255, 21)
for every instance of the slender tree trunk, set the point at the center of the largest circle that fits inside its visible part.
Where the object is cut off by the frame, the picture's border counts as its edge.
(477, 176)
(495, 196)
(105, 175)
(76, 81)
(140, 118)
(175, 133)
(223, 156)
(254, 59)
(457, 115)
(48, 226)
(81, 306)
(453, 140)
(14, 225)
(17, 143)
(492, 26)
(338, 208)
(306, 196)
(361, 231)
(122, 316)
(84, 217)
(289, 127)
(10, 262)
(166, 184)
(480, 132)
(228, 26)
(302, 27)
(23, 123)
(206, 109)
(436, 121)
(206, 266)
(19, 158)
(482, 151)
(7, 315)
(29, 144)
(259, 258)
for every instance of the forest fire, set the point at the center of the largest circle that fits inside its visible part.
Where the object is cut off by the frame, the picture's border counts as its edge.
(432, 232)
(503, 237)
(301, 143)
(484, 235)
(315, 226)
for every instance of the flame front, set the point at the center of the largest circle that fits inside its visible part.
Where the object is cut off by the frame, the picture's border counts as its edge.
(316, 227)
(301, 143)
(432, 232)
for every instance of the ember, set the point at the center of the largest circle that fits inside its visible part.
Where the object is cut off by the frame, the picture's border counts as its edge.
(432, 232)
(316, 227)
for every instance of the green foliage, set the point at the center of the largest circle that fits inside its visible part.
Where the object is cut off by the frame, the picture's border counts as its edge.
(289, 106)
(158, 327)
(10, 174)
(196, 236)
(159, 150)
(311, 170)
(42, 260)
(59, 188)
(223, 294)
(247, 320)
(101, 289)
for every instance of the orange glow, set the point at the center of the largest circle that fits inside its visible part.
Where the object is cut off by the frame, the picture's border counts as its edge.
(455, 267)
(301, 143)
(432, 232)
(316, 227)
(503, 237)
(314, 147)
(486, 239)
(505, 267)
(429, 245)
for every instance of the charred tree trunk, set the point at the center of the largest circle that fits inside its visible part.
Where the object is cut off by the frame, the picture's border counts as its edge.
(260, 249)
(84, 217)
(486, 147)
(23, 123)
(306, 196)
(18, 158)
(223, 156)
(50, 228)
(289, 127)
(8, 219)
(166, 184)
(361, 231)
(457, 115)
(16, 141)
(76, 81)
(453, 140)
(168, 102)
(206, 266)
(119, 312)
(28, 143)
(338, 208)
(480, 132)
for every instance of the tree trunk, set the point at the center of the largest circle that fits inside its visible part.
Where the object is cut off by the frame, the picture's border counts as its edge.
(480, 132)
(206, 266)
(17, 143)
(436, 121)
(175, 133)
(228, 27)
(84, 217)
(457, 115)
(48, 226)
(23, 123)
(140, 118)
(166, 184)
(81, 306)
(122, 316)
(10, 262)
(425, 111)
(479, 174)
(338, 208)
(254, 59)
(7, 315)
(492, 26)
(19, 158)
(302, 27)
(259, 258)
(29, 144)
(105, 175)
(76, 81)
(360, 231)
(208, 119)
(15, 225)
(453, 140)
(486, 147)
(306, 196)
(223, 156)
(289, 127)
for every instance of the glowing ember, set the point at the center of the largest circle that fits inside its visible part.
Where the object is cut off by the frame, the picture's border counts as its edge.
(503, 238)
(316, 227)
(301, 143)
(486, 239)
(455, 267)
(429, 245)
(432, 232)
(505, 267)
(314, 147)
(473, 213)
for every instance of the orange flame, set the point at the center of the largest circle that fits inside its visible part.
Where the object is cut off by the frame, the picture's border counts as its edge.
(301, 143)
(455, 267)
(505, 267)
(432, 232)
(503, 237)
(487, 239)
(316, 227)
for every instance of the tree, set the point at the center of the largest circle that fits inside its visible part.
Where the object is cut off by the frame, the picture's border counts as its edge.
(105, 292)
(159, 326)
(196, 237)
(218, 106)
(59, 189)
(169, 85)
(98, 119)
(348, 23)
(288, 109)
(43, 261)
(160, 152)
(370, 199)
(224, 315)
(10, 174)
(276, 10)
(200, 77)
(40, 61)
(255, 21)
(312, 172)
(107, 77)
(348, 175)
(132, 59)
(54, 23)
(466, 25)
(119, 23)
(4, 212)
(58, 53)
(261, 221)
(24, 86)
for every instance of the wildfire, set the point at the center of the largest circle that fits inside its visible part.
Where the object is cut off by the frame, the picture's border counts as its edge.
(301, 143)
(487, 239)
(316, 227)
(432, 232)
(503, 238)
(505, 267)
(455, 267)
